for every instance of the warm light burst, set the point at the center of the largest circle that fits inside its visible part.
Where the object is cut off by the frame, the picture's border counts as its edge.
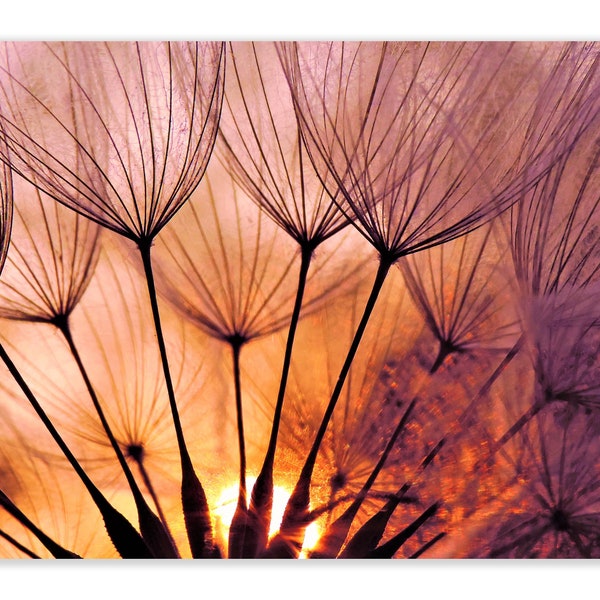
(225, 508)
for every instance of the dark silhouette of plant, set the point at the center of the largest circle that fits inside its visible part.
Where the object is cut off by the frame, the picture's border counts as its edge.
(41, 284)
(460, 289)
(233, 286)
(122, 135)
(447, 408)
(266, 153)
(52, 259)
(554, 514)
(391, 127)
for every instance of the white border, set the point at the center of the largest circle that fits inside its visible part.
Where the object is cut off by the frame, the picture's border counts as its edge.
(306, 19)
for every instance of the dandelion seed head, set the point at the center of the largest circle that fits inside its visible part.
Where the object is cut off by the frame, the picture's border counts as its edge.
(263, 148)
(120, 132)
(324, 152)
(54, 251)
(394, 131)
(555, 513)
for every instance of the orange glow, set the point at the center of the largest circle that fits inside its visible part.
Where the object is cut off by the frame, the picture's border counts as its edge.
(225, 509)
(368, 269)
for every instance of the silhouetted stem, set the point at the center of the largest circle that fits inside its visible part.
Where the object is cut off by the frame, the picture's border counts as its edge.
(195, 505)
(331, 542)
(55, 549)
(148, 483)
(127, 540)
(370, 533)
(392, 546)
(261, 503)
(236, 349)
(11, 540)
(516, 427)
(428, 545)
(294, 519)
(152, 529)
(237, 530)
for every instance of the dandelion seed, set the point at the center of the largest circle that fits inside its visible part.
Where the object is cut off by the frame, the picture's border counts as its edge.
(381, 123)
(265, 151)
(460, 289)
(556, 513)
(52, 258)
(223, 264)
(390, 125)
(122, 133)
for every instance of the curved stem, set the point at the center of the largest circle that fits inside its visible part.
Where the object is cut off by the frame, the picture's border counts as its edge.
(148, 483)
(11, 540)
(262, 493)
(153, 531)
(236, 349)
(55, 549)
(195, 504)
(126, 539)
(237, 529)
(294, 518)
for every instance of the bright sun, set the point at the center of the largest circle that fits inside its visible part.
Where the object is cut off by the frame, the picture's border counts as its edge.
(226, 507)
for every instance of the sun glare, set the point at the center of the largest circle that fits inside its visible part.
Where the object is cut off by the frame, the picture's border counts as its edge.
(225, 509)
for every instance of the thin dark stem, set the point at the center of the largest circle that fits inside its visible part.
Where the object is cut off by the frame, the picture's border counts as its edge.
(145, 252)
(18, 545)
(331, 543)
(294, 518)
(195, 505)
(392, 546)
(236, 349)
(238, 528)
(307, 253)
(515, 428)
(55, 549)
(382, 272)
(148, 483)
(153, 531)
(262, 493)
(126, 539)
